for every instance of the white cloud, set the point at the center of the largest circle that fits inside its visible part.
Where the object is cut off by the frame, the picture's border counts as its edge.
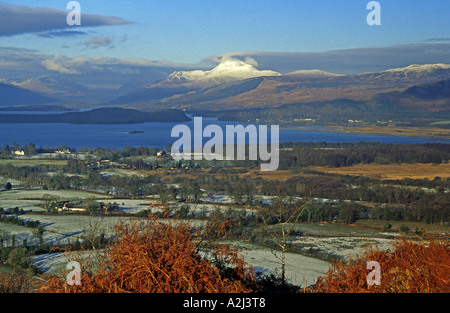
(251, 61)
(62, 33)
(9, 64)
(55, 65)
(98, 42)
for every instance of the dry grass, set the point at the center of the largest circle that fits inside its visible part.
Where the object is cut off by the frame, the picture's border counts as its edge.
(391, 171)
(281, 175)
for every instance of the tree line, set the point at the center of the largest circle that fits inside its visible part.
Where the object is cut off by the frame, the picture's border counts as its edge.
(297, 154)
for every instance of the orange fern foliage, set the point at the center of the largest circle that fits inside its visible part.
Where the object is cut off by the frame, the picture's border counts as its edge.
(152, 257)
(411, 268)
(18, 283)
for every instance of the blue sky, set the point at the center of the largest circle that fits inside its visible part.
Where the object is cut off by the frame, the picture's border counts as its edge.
(191, 31)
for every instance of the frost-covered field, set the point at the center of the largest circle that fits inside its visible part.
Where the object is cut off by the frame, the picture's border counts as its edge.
(347, 247)
(262, 260)
(26, 205)
(298, 267)
(50, 263)
(40, 194)
(67, 228)
(32, 200)
(59, 229)
(133, 206)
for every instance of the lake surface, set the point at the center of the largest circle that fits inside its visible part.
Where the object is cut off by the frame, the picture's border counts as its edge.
(158, 134)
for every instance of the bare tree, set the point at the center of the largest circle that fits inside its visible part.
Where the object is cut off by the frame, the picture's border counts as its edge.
(284, 214)
(49, 202)
(38, 233)
(91, 205)
(93, 230)
(3, 236)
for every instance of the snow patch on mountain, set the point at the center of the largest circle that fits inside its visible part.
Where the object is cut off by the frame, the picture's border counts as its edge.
(425, 68)
(313, 73)
(416, 71)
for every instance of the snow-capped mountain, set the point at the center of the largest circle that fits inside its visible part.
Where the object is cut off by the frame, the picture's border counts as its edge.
(422, 69)
(51, 87)
(414, 72)
(226, 71)
(65, 90)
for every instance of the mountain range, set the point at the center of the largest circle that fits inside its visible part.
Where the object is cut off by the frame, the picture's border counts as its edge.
(235, 85)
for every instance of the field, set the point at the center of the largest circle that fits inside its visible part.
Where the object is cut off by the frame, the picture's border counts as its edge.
(339, 222)
(38, 194)
(33, 199)
(392, 130)
(440, 123)
(280, 175)
(381, 171)
(391, 171)
(33, 162)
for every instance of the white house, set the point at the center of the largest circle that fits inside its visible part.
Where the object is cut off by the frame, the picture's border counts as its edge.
(19, 152)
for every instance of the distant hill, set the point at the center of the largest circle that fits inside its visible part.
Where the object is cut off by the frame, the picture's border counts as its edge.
(12, 95)
(151, 93)
(432, 97)
(99, 116)
(56, 88)
(36, 108)
(435, 90)
(426, 101)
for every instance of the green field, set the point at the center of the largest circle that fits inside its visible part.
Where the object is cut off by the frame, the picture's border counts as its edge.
(440, 123)
(32, 162)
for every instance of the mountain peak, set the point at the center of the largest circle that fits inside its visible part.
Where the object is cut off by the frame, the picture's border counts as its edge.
(228, 70)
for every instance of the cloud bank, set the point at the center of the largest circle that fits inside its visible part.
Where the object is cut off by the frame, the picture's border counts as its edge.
(19, 19)
(347, 61)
